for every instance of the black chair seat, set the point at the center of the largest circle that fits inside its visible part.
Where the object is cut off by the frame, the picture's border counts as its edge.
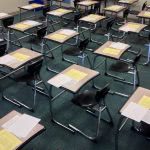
(35, 41)
(26, 77)
(120, 66)
(73, 51)
(101, 31)
(85, 99)
(134, 12)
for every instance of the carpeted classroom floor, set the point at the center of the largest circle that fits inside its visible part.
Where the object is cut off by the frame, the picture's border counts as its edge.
(57, 138)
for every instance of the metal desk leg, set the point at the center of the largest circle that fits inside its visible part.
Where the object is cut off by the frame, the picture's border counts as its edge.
(120, 125)
(20, 14)
(148, 56)
(51, 110)
(8, 39)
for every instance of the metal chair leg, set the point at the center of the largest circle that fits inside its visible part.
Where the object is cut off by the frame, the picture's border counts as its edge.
(92, 138)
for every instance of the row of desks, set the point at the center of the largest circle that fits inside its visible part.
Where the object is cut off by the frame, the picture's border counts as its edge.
(78, 75)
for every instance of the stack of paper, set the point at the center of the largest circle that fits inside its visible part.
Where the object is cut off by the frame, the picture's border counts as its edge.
(7, 59)
(114, 7)
(147, 14)
(57, 36)
(20, 57)
(111, 51)
(75, 74)
(27, 7)
(59, 80)
(21, 26)
(3, 14)
(21, 126)
(145, 102)
(137, 113)
(118, 45)
(31, 22)
(67, 32)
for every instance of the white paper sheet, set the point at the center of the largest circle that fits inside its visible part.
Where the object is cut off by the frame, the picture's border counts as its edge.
(31, 22)
(7, 59)
(134, 112)
(10, 122)
(146, 118)
(67, 32)
(27, 7)
(119, 45)
(23, 125)
(3, 14)
(59, 80)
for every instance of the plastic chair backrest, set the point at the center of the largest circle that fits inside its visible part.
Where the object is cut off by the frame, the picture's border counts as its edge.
(41, 32)
(3, 49)
(35, 67)
(144, 5)
(126, 13)
(110, 24)
(8, 22)
(77, 17)
(83, 44)
(136, 59)
(100, 94)
(45, 10)
(75, 3)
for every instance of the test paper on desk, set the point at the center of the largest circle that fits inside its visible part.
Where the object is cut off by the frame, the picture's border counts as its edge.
(3, 14)
(23, 125)
(119, 45)
(10, 122)
(67, 32)
(31, 22)
(134, 112)
(27, 7)
(59, 80)
(7, 59)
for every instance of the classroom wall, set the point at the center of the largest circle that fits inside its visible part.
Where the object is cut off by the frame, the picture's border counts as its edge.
(10, 6)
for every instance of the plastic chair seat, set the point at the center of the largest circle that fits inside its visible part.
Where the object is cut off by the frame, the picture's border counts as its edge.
(120, 66)
(101, 31)
(134, 12)
(85, 99)
(35, 41)
(73, 51)
(26, 77)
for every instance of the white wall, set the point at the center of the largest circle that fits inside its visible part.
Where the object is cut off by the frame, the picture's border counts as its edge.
(10, 6)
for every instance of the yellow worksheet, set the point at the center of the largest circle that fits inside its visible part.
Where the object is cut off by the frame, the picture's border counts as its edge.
(76, 74)
(145, 101)
(21, 57)
(111, 51)
(8, 141)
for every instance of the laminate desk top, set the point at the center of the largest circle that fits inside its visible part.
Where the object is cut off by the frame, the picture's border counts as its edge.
(92, 18)
(114, 8)
(59, 12)
(129, 2)
(76, 75)
(18, 58)
(61, 35)
(31, 6)
(25, 25)
(132, 27)
(112, 49)
(33, 133)
(87, 3)
(144, 14)
(4, 15)
(137, 107)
